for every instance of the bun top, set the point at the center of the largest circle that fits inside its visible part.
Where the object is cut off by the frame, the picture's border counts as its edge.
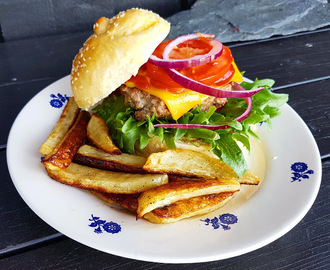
(114, 53)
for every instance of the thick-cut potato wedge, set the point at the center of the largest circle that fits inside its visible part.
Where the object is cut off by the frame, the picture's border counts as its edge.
(98, 134)
(249, 178)
(62, 155)
(179, 190)
(66, 121)
(188, 208)
(106, 181)
(174, 212)
(127, 201)
(195, 164)
(93, 157)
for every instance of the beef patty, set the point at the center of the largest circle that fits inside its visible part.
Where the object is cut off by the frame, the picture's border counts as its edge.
(145, 104)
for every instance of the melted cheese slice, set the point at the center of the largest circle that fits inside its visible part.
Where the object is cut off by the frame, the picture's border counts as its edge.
(179, 104)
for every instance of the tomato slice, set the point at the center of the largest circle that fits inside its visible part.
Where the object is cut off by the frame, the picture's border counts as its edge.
(218, 71)
(212, 71)
(160, 79)
(141, 79)
(226, 78)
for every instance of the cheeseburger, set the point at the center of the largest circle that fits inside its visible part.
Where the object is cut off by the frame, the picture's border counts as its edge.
(156, 94)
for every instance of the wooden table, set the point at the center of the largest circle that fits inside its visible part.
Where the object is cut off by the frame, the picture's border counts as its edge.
(299, 63)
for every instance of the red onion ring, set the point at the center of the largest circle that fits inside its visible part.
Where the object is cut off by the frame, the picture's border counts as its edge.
(191, 126)
(248, 100)
(194, 61)
(197, 86)
(208, 90)
(243, 116)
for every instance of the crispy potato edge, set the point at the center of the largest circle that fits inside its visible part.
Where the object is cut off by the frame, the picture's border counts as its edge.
(63, 125)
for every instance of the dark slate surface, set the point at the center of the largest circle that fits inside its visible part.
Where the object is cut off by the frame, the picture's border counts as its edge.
(251, 20)
(22, 19)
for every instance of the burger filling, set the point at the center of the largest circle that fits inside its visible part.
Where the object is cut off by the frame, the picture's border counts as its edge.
(145, 104)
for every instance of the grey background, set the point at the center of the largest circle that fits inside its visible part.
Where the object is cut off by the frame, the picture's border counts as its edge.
(229, 20)
(34, 18)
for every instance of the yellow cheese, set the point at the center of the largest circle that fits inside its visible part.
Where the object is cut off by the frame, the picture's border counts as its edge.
(179, 104)
(237, 75)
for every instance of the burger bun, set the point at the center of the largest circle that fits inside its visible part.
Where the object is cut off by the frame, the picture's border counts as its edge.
(114, 53)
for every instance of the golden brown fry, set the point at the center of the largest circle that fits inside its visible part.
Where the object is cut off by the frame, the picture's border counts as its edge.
(106, 181)
(189, 207)
(63, 125)
(249, 178)
(98, 134)
(195, 164)
(174, 212)
(62, 155)
(93, 157)
(179, 190)
(127, 201)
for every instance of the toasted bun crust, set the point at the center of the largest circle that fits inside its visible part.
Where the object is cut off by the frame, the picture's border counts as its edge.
(115, 52)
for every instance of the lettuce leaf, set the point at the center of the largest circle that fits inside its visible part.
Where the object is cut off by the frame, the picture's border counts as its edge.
(126, 131)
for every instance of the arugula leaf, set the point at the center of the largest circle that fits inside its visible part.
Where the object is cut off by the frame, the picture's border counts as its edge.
(232, 154)
(127, 132)
(243, 138)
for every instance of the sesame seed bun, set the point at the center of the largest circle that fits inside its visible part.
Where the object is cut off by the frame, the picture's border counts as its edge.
(114, 52)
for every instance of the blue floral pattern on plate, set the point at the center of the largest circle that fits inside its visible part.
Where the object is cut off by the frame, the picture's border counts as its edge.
(223, 221)
(58, 100)
(101, 225)
(300, 171)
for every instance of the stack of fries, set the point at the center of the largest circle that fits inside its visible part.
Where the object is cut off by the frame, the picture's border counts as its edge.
(164, 187)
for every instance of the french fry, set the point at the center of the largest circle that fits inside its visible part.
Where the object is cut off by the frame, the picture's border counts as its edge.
(127, 201)
(63, 125)
(194, 164)
(174, 212)
(106, 181)
(93, 157)
(179, 190)
(98, 134)
(62, 155)
(188, 208)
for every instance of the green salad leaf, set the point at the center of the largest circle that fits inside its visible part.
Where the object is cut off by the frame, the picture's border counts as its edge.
(126, 131)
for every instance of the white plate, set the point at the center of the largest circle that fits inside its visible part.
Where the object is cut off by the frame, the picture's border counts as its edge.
(254, 218)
